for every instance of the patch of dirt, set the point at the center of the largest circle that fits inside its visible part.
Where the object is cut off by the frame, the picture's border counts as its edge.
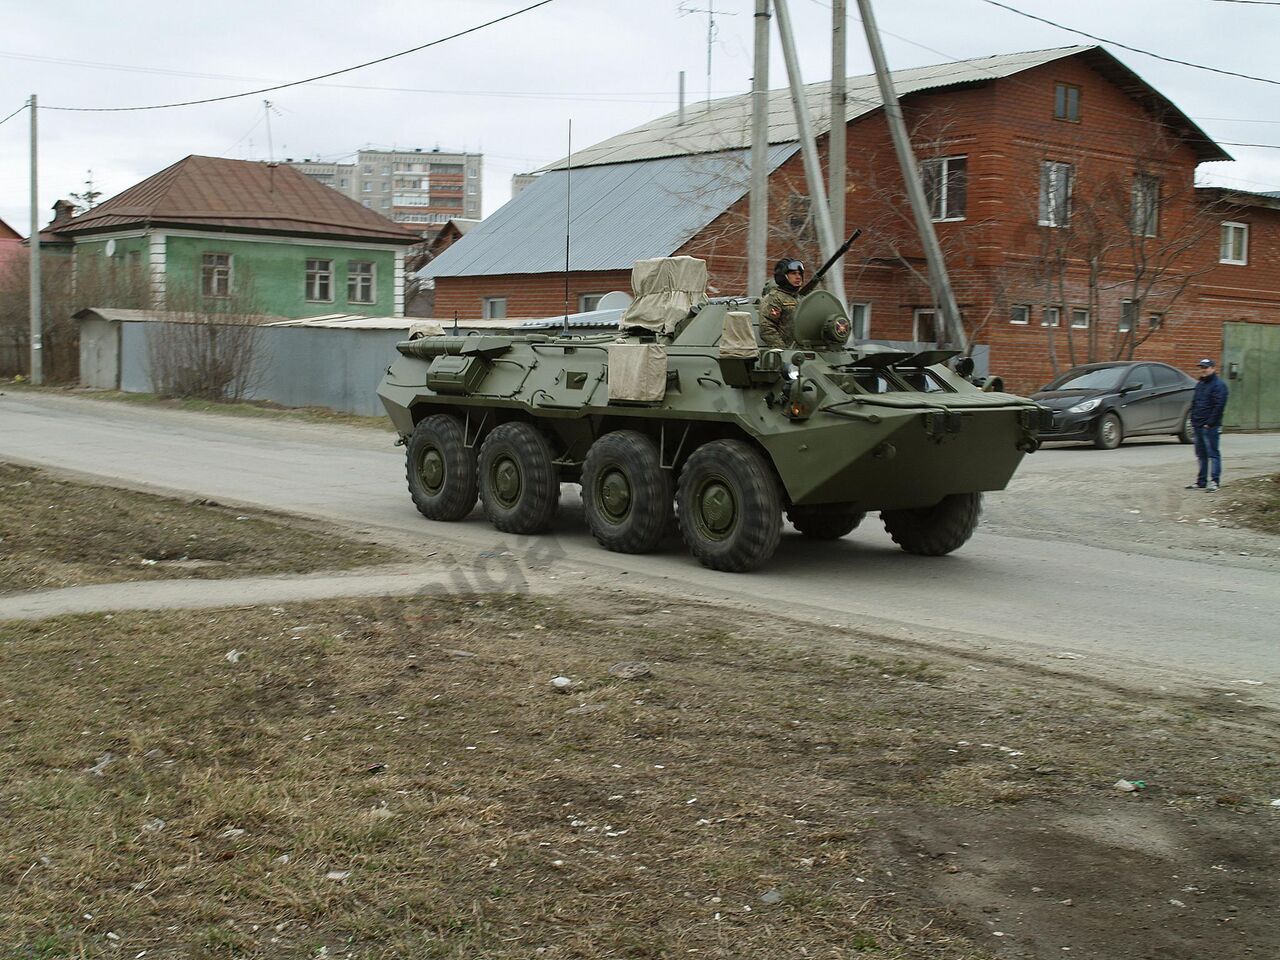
(1253, 502)
(58, 533)
(395, 778)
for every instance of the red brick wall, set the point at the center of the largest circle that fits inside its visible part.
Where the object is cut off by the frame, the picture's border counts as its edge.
(1005, 128)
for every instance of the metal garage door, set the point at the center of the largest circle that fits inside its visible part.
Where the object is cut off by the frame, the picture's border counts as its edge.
(1251, 366)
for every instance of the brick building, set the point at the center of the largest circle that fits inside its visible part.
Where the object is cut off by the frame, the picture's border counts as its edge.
(1062, 186)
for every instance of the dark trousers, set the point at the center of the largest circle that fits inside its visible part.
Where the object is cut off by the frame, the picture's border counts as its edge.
(1207, 454)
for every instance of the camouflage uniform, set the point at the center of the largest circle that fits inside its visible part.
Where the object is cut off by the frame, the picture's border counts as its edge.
(777, 310)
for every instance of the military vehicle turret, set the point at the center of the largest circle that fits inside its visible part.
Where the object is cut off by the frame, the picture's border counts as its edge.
(681, 410)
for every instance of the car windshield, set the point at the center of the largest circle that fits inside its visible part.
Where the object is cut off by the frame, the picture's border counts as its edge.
(1105, 378)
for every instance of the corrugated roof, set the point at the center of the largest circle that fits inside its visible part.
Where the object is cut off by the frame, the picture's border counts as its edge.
(621, 213)
(726, 124)
(239, 195)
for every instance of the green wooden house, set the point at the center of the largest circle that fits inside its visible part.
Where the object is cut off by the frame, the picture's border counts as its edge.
(217, 235)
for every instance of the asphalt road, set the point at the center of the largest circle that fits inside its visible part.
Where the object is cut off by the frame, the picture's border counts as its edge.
(1146, 613)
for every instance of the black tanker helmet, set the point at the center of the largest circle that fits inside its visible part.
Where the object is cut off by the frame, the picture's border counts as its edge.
(782, 268)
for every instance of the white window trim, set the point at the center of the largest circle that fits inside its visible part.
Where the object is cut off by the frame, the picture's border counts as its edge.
(230, 268)
(488, 302)
(1051, 167)
(866, 316)
(582, 301)
(1076, 311)
(1244, 246)
(944, 181)
(1126, 323)
(373, 282)
(306, 279)
(1046, 312)
(1152, 229)
(916, 315)
(1026, 316)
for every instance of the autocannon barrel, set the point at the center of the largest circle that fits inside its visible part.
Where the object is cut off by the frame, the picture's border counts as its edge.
(425, 348)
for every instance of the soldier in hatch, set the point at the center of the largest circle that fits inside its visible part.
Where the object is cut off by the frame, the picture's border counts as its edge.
(778, 303)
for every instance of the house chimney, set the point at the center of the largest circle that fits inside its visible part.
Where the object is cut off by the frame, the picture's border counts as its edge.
(63, 210)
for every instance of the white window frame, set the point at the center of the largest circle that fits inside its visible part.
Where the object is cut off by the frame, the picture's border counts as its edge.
(315, 276)
(1146, 205)
(1128, 313)
(940, 200)
(859, 317)
(917, 315)
(1025, 314)
(1050, 316)
(1079, 318)
(1226, 248)
(589, 301)
(215, 277)
(360, 281)
(1056, 183)
(491, 308)
(1066, 89)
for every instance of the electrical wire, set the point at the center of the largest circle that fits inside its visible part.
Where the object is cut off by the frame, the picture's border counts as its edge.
(15, 113)
(296, 83)
(1125, 46)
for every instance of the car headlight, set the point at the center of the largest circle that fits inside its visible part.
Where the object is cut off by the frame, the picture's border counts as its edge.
(1085, 406)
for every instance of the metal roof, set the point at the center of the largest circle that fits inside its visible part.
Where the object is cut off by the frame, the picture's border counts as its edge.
(215, 193)
(621, 213)
(726, 124)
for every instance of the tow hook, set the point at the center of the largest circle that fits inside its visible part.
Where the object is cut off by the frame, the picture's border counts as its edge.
(401, 440)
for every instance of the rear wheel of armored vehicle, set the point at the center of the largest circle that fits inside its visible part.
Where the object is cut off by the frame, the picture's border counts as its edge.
(826, 521)
(519, 482)
(933, 531)
(729, 507)
(441, 469)
(626, 495)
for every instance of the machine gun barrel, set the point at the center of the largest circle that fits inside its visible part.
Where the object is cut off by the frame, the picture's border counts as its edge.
(817, 277)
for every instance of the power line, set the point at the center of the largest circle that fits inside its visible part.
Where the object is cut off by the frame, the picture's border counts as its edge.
(1125, 46)
(14, 114)
(323, 76)
(1260, 3)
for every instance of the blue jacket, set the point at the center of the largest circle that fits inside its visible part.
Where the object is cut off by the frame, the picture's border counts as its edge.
(1209, 401)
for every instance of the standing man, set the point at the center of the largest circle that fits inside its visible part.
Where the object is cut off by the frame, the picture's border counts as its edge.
(778, 303)
(1207, 404)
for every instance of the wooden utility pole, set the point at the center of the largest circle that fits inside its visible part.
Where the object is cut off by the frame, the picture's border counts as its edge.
(37, 330)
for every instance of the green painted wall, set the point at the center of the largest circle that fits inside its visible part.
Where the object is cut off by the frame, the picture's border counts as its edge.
(272, 276)
(119, 280)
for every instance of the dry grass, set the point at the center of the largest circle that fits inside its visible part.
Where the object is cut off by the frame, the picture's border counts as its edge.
(386, 778)
(56, 533)
(1253, 502)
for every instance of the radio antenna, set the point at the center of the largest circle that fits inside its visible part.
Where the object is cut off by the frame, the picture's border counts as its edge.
(568, 201)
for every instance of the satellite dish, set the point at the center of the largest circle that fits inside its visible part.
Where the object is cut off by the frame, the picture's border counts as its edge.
(617, 300)
(111, 248)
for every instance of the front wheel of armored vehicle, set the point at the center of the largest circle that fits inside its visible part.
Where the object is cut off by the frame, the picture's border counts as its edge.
(441, 469)
(519, 483)
(729, 507)
(826, 521)
(626, 495)
(933, 531)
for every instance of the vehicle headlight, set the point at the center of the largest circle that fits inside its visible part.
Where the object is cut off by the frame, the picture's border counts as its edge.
(1085, 406)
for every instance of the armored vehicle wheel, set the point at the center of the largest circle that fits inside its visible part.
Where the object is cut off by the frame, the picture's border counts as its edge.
(1108, 433)
(519, 483)
(826, 521)
(440, 469)
(729, 507)
(933, 531)
(626, 494)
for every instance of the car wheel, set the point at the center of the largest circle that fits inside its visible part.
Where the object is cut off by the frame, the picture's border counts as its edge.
(1109, 432)
(1186, 433)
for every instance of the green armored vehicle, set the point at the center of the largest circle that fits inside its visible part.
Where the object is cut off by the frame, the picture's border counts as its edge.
(681, 409)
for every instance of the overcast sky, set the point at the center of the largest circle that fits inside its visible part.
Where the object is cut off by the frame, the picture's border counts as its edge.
(510, 90)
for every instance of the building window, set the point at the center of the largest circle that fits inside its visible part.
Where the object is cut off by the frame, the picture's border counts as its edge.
(368, 203)
(1079, 318)
(1055, 193)
(1051, 317)
(926, 327)
(320, 280)
(215, 274)
(1146, 205)
(471, 189)
(1020, 313)
(472, 173)
(360, 281)
(495, 308)
(859, 321)
(1235, 243)
(1128, 312)
(946, 182)
(368, 168)
(1066, 102)
(589, 301)
(386, 170)
(366, 188)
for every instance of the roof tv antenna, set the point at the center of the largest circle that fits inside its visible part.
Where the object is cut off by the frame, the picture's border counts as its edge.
(568, 201)
(712, 32)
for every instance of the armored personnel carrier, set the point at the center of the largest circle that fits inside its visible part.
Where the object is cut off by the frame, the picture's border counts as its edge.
(680, 410)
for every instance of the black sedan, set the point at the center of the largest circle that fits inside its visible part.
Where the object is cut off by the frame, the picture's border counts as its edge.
(1108, 402)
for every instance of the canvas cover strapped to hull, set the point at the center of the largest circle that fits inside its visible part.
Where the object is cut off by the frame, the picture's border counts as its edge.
(637, 372)
(739, 337)
(665, 290)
